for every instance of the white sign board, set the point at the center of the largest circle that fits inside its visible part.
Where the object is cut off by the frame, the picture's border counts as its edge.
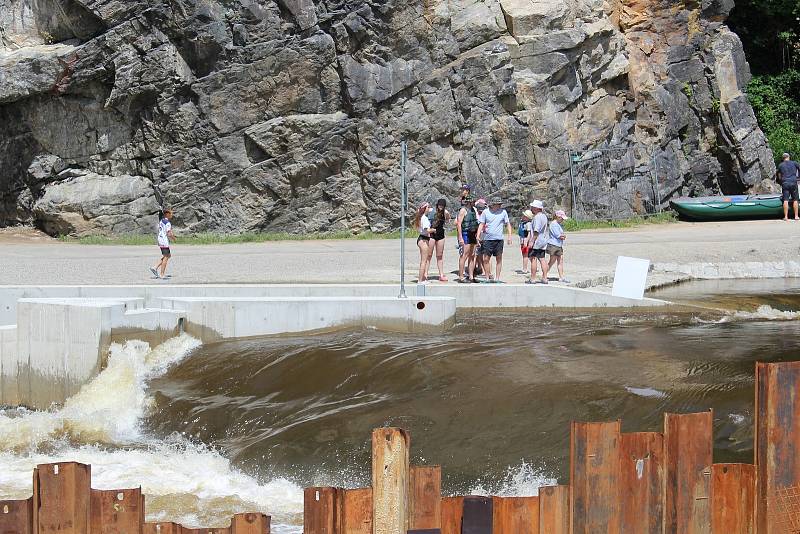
(630, 280)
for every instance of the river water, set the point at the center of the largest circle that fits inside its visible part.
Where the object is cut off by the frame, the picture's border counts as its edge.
(212, 430)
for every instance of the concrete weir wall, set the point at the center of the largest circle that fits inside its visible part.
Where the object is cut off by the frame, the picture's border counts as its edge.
(57, 337)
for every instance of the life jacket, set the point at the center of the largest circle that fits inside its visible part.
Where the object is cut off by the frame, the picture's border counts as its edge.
(470, 222)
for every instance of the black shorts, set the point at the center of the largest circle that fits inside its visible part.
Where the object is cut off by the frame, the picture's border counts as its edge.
(423, 238)
(470, 237)
(789, 192)
(536, 253)
(165, 252)
(492, 247)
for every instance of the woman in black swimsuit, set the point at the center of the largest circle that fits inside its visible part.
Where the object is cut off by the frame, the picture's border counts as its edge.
(440, 218)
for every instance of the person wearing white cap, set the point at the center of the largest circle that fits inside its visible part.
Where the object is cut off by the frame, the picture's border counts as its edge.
(524, 231)
(555, 245)
(537, 242)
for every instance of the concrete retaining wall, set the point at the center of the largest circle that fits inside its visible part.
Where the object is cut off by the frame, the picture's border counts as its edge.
(213, 318)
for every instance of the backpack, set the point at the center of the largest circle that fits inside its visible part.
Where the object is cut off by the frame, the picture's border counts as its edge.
(522, 231)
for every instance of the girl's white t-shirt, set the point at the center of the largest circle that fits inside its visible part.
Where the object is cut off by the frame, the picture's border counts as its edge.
(424, 226)
(163, 232)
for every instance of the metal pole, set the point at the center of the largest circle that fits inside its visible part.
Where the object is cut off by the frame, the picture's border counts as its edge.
(403, 207)
(572, 184)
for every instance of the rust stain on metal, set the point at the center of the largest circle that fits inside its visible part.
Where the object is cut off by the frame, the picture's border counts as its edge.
(452, 510)
(63, 499)
(425, 498)
(515, 515)
(390, 480)
(117, 511)
(320, 510)
(688, 448)
(776, 437)
(16, 517)
(554, 510)
(733, 498)
(594, 478)
(356, 514)
(642, 482)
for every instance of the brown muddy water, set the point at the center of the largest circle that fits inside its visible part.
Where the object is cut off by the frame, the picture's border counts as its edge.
(215, 429)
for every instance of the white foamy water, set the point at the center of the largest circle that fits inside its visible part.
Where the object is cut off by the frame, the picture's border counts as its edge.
(523, 480)
(765, 312)
(101, 425)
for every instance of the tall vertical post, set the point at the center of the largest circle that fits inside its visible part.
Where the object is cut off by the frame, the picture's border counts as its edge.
(572, 186)
(688, 453)
(594, 478)
(390, 480)
(776, 439)
(403, 208)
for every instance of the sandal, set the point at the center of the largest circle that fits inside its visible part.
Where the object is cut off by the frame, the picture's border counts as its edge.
(443, 279)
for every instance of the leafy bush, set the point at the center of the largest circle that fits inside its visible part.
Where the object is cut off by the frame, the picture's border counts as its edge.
(776, 103)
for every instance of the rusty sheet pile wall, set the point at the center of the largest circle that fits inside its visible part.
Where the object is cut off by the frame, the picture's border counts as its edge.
(638, 483)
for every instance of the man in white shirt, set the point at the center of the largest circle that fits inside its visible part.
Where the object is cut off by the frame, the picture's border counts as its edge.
(537, 242)
(164, 235)
(490, 235)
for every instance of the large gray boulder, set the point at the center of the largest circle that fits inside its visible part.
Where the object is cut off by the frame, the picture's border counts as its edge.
(288, 115)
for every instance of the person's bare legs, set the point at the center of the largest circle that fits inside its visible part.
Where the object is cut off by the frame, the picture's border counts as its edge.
(157, 266)
(462, 262)
(534, 268)
(545, 269)
(785, 210)
(524, 262)
(164, 262)
(469, 251)
(439, 246)
(796, 215)
(499, 262)
(423, 260)
(560, 267)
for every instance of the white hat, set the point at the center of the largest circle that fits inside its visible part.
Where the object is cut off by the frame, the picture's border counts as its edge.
(528, 214)
(537, 204)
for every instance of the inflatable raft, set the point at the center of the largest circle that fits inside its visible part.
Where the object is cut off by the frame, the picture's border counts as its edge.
(729, 207)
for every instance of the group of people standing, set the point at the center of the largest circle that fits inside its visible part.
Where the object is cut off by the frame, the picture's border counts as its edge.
(480, 229)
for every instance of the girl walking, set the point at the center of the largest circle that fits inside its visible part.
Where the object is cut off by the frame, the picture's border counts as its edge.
(423, 225)
(164, 235)
(441, 217)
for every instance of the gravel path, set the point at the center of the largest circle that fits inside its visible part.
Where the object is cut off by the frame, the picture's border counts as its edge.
(27, 257)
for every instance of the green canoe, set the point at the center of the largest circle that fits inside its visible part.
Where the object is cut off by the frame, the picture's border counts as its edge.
(728, 207)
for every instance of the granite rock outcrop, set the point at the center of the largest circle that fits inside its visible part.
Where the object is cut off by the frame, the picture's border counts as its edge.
(287, 115)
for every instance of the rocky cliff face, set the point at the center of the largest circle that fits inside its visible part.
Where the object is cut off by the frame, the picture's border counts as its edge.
(288, 114)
